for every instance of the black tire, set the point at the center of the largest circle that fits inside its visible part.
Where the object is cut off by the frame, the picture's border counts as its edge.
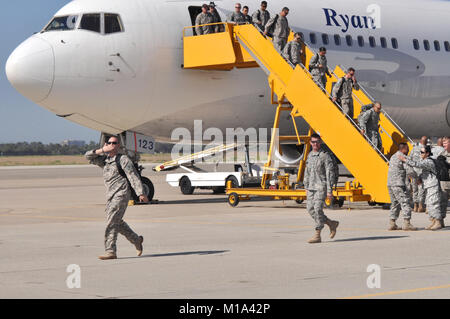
(233, 180)
(341, 201)
(299, 201)
(218, 189)
(233, 199)
(149, 189)
(372, 203)
(186, 186)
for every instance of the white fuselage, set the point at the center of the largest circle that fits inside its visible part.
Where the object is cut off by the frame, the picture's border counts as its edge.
(134, 80)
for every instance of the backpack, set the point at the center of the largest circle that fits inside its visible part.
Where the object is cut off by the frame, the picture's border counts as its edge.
(442, 168)
(364, 109)
(271, 30)
(122, 173)
(315, 58)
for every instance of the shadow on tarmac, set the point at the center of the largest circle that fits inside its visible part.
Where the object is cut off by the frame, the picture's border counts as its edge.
(183, 253)
(368, 238)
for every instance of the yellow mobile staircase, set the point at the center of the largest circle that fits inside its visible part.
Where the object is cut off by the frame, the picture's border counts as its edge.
(243, 46)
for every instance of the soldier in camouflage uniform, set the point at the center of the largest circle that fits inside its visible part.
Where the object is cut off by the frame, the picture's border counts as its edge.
(204, 17)
(368, 122)
(281, 29)
(318, 184)
(318, 66)
(342, 91)
(430, 184)
(292, 52)
(397, 190)
(237, 17)
(117, 195)
(261, 17)
(417, 187)
(247, 17)
(216, 19)
(445, 185)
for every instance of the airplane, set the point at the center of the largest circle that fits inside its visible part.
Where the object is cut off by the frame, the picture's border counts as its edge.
(116, 66)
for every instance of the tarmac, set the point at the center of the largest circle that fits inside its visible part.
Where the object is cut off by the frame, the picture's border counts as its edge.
(198, 246)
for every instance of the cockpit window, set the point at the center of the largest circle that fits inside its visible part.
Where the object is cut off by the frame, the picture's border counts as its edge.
(91, 22)
(62, 23)
(112, 23)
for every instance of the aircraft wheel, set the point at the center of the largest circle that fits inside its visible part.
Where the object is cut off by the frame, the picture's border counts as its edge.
(149, 189)
(186, 186)
(233, 199)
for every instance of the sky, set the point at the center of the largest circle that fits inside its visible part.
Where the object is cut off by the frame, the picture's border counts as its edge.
(20, 119)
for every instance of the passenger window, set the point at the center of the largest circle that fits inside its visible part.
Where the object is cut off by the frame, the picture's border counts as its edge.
(383, 42)
(372, 42)
(312, 37)
(416, 44)
(325, 39)
(349, 40)
(337, 39)
(447, 46)
(112, 23)
(437, 46)
(360, 41)
(394, 43)
(426, 45)
(91, 22)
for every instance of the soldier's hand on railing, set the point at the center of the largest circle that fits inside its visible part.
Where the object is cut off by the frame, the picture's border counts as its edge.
(334, 99)
(363, 132)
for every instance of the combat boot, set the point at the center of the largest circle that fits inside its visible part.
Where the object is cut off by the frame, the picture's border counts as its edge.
(421, 209)
(407, 225)
(107, 256)
(316, 238)
(138, 245)
(416, 207)
(433, 221)
(442, 222)
(437, 225)
(333, 224)
(393, 225)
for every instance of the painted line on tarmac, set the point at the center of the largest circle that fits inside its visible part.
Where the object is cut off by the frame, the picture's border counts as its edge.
(398, 292)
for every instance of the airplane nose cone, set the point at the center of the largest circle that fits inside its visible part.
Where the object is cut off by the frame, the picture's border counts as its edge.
(30, 69)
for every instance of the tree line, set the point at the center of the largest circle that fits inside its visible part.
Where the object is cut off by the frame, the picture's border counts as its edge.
(38, 148)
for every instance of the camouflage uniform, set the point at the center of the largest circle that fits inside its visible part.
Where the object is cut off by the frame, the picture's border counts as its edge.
(292, 52)
(369, 123)
(204, 18)
(261, 16)
(430, 184)
(417, 190)
(217, 19)
(319, 74)
(117, 196)
(248, 19)
(281, 32)
(237, 17)
(397, 188)
(317, 182)
(342, 90)
(445, 187)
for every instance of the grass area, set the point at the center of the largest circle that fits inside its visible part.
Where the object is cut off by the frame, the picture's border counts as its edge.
(67, 160)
